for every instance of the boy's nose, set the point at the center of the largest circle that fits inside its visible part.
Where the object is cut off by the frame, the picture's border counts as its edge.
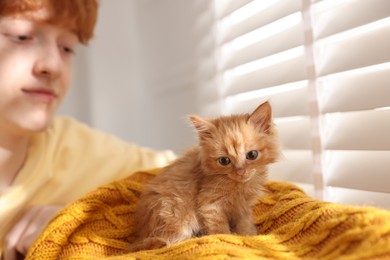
(49, 63)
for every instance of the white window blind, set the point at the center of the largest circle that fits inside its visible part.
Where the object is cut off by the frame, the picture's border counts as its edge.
(325, 68)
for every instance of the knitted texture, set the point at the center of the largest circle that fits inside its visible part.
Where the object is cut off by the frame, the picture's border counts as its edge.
(290, 225)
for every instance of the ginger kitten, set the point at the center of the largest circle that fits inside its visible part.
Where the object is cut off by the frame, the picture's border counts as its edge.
(212, 187)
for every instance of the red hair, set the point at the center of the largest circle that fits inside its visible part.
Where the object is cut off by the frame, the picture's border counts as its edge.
(79, 15)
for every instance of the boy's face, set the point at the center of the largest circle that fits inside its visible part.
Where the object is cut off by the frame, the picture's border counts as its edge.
(35, 71)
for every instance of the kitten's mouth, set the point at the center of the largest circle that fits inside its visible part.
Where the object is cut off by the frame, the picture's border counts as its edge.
(241, 178)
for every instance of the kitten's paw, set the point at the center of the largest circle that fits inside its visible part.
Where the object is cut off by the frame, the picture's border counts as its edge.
(155, 242)
(148, 244)
(252, 232)
(248, 230)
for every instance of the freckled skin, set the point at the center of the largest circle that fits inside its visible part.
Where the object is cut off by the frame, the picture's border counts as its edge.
(197, 195)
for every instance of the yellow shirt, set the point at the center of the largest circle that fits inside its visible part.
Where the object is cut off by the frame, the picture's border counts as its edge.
(68, 160)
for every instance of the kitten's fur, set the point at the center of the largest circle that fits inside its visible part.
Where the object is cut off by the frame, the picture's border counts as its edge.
(197, 195)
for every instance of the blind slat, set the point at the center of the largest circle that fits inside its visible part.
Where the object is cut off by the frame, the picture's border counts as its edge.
(287, 39)
(294, 133)
(226, 7)
(274, 10)
(360, 12)
(285, 100)
(367, 89)
(359, 50)
(276, 74)
(364, 170)
(359, 130)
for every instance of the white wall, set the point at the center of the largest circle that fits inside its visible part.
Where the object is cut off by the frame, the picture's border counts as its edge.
(139, 76)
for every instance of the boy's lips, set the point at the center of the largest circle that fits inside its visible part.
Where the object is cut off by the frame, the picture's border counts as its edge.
(42, 94)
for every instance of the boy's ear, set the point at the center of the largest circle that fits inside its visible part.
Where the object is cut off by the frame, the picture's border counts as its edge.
(202, 126)
(262, 117)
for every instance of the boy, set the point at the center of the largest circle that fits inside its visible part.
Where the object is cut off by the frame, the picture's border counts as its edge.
(46, 162)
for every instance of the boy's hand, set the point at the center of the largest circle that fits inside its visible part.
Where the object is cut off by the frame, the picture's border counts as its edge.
(24, 233)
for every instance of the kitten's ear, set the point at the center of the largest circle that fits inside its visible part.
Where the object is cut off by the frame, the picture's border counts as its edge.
(203, 126)
(262, 116)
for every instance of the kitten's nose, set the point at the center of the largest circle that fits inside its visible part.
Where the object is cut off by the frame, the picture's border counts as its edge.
(240, 171)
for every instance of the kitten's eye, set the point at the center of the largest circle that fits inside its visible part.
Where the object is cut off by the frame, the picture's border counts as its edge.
(252, 155)
(224, 160)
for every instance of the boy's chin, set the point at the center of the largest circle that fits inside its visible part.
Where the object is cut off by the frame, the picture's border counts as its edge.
(37, 124)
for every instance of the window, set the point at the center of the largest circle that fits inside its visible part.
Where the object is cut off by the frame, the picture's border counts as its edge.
(325, 67)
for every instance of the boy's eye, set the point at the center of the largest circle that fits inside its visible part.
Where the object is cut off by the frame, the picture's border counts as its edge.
(252, 155)
(23, 37)
(224, 161)
(67, 50)
(20, 38)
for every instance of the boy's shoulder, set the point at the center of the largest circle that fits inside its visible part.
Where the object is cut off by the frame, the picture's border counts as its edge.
(65, 123)
(68, 129)
(65, 129)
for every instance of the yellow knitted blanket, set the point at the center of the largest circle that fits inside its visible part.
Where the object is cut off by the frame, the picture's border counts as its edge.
(290, 224)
